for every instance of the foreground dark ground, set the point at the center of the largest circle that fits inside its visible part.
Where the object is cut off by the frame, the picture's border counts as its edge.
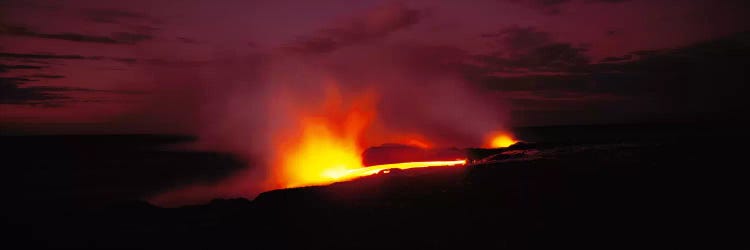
(633, 186)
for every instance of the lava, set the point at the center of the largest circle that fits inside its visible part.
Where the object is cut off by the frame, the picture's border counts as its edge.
(326, 145)
(501, 140)
(354, 173)
(323, 155)
(324, 142)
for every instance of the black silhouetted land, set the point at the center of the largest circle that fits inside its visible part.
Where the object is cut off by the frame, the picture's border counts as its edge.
(601, 187)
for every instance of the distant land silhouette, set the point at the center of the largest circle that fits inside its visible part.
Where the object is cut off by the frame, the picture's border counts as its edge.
(598, 187)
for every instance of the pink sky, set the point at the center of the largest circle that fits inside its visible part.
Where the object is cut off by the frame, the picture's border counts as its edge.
(165, 39)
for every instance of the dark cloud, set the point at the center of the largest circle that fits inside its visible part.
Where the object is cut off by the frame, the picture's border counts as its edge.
(115, 38)
(550, 57)
(40, 56)
(553, 7)
(131, 38)
(550, 7)
(175, 62)
(520, 38)
(125, 60)
(617, 58)
(606, 1)
(529, 50)
(646, 52)
(612, 32)
(114, 15)
(24, 31)
(372, 25)
(34, 5)
(46, 76)
(703, 81)
(148, 29)
(12, 91)
(532, 83)
(6, 68)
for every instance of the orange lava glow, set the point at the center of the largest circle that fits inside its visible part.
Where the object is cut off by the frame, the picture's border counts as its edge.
(501, 140)
(326, 145)
(320, 156)
(354, 173)
(323, 154)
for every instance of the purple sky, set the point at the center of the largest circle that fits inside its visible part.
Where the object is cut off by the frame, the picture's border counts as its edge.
(116, 66)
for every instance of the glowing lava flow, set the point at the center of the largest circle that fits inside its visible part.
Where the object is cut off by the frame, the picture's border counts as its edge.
(354, 173)
(328, 152)
(325, 146)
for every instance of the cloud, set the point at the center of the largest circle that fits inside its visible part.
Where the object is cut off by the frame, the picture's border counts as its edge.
(6, 68)
(33, 5)
(554, 7)
(46, 76)
(114, 16)
(40, 56)
(529, 50)
(551, 7)
(550, 57)
(375, 24)
(612, 32)
(701, 81)
(131, 38)
(646, 53)
(520, 38)
(617, 58)
(43, 56)
(12, 92)
(124, 60)
(606, 1)
(115, 38)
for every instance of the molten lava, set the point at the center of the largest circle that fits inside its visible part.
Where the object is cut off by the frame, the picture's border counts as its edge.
(322, 155)
(354, 173)
(501, 140)
(326, 146)
(324, 143)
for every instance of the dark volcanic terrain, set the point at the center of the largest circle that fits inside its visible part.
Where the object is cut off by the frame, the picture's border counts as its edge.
(585, 187)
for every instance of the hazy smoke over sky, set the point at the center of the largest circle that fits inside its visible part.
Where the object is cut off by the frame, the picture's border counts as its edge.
(416, 90)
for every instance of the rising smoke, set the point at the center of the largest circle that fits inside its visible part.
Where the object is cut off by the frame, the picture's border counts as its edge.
(241, 105)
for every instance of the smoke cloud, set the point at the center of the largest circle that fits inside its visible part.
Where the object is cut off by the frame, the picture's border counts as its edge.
(239, 105)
